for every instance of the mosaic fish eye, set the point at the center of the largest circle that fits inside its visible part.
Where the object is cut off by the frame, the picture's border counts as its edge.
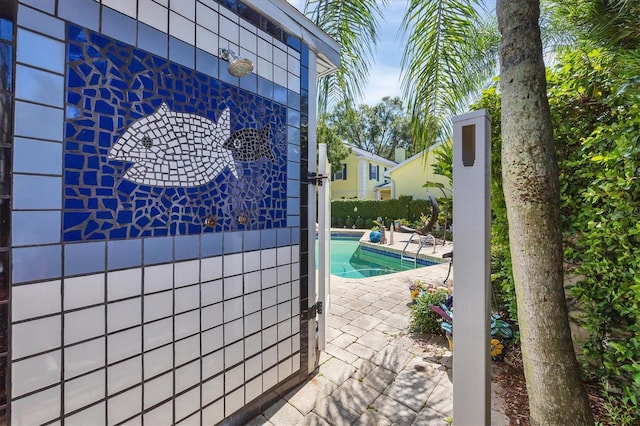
(147, 142)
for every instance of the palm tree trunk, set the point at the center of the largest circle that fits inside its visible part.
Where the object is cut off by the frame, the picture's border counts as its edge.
(531, 188)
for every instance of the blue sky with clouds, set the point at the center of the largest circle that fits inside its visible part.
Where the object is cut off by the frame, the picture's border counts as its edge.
(384, 74)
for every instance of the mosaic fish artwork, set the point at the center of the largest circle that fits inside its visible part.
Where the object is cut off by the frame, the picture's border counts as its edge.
(251, 145)
(174, 149)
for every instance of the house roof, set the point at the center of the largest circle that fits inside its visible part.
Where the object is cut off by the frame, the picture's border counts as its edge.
(295, 22)
(413, 158)
(361, 153)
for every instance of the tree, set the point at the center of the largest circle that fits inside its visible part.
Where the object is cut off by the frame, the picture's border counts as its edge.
(532, 196)
(379, 129)
(336, 151)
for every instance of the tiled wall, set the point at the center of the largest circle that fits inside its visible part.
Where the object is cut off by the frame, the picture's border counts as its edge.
(174, 324)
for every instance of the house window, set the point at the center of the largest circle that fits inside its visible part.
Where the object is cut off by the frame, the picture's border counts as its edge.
(374, 171)
(340, 175)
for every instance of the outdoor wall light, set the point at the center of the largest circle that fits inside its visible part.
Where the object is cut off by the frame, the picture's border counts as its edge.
(238, 67)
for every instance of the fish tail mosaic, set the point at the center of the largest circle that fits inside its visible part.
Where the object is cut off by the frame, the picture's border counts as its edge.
(153, 148)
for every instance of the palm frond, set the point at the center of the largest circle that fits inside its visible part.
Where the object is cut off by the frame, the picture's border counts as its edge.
(354, 25)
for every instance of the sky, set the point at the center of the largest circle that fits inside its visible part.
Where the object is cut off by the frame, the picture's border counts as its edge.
(384, 72)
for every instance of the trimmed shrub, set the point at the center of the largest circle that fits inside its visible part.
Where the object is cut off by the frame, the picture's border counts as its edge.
(423, 319)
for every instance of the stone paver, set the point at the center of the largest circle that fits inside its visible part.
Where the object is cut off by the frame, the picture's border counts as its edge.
(373, 372)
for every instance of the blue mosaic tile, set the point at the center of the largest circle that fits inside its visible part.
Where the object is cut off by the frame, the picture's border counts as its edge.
(152, 40)
(187, 247)
(283, 237)
(40, 51)
(251, 240)
(211, 245)
(158, 250)
(50, 121)
(31, 228)
(268, 239)
(135, 185)
(39, 86)
(232, 243)
(295, 235)
(181, 52)
(84, 258)
(36, 192)
(34, 156)
(117, 25)
(30, 18)
(45, 5)
(36, 263)
(124, 254)
(85, 13)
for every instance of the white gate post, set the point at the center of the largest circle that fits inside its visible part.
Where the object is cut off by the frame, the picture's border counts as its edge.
(472, 268)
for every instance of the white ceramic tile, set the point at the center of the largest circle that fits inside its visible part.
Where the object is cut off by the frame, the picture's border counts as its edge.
(233, 378)
(211, 316)
(269, 379)
(185, 8)
(295, 343)
(295, 325)
(126, 7)
(158, 305)
(269, 258)
(269, 277)
(232, 309)
(295, 253)
(228, 13)
(47, 401)
(93, 415)
(187, 273)
(187, 350)
(251, 261)
(253, 367)
(187, 403)
(269, 316)
(252, 303)
(207, 17)
(269, 336)
(35, 373)
(211, 292)
(158, 361)
(125, 405)
(187, 376)
(284, 292)
(207, 40)
(284, 369)
(234, 401)
(248, 41)
(229, 30)
(283, 255)
(252, 344)
(212, 364)
(293, 82)
(84, 390)
(252, 280)
(284, 311)
(153, 14)
(232, 264)
(212, 339)
(211, 267)
(295, 307)
(83, 324)
(252, 323)
(253, 389)
(124, 314)
(212, 389)
(84, 357)
(34, 300)
(123, 284)
(134, 421)
(233, 354)
(293, 65)
(186, 324)
(233, 331)
(35, 336)
(187, 298)
(284, 329)
(161, 416)
(83, 291)
(214, 413)
(158, 333)
(296, 362)
(265, 49)
(124, 375)
(295, 271)
(232, 287)
(284, 274)
(157, 390)
(124, 344)
(264, 69)
(284, 349)
(280, 76)
(295, 287)
(158, 278)
(280, 57)
(192, 420)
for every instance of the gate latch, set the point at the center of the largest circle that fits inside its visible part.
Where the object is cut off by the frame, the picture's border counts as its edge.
(316, 179)
(314, 310)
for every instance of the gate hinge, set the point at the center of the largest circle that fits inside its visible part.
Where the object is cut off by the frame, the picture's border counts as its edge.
(313, 311)
(314, 178)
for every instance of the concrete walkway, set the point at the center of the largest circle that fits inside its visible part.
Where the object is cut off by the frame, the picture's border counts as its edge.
(374, 372)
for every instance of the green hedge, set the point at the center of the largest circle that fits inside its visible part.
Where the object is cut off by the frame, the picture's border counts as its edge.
(369, 210)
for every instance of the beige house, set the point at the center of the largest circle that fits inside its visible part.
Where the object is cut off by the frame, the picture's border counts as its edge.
(409, 176)
(362, 177)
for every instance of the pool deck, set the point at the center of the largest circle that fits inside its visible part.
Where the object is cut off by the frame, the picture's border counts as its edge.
(373, 371)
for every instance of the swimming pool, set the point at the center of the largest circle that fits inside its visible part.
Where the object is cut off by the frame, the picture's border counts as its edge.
(350, 260)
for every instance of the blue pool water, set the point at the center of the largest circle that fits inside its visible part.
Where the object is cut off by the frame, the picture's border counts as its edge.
(349, 260)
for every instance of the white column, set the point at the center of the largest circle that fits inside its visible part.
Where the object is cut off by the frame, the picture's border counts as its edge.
(362, 179)
(471, 241)
(311, 219)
